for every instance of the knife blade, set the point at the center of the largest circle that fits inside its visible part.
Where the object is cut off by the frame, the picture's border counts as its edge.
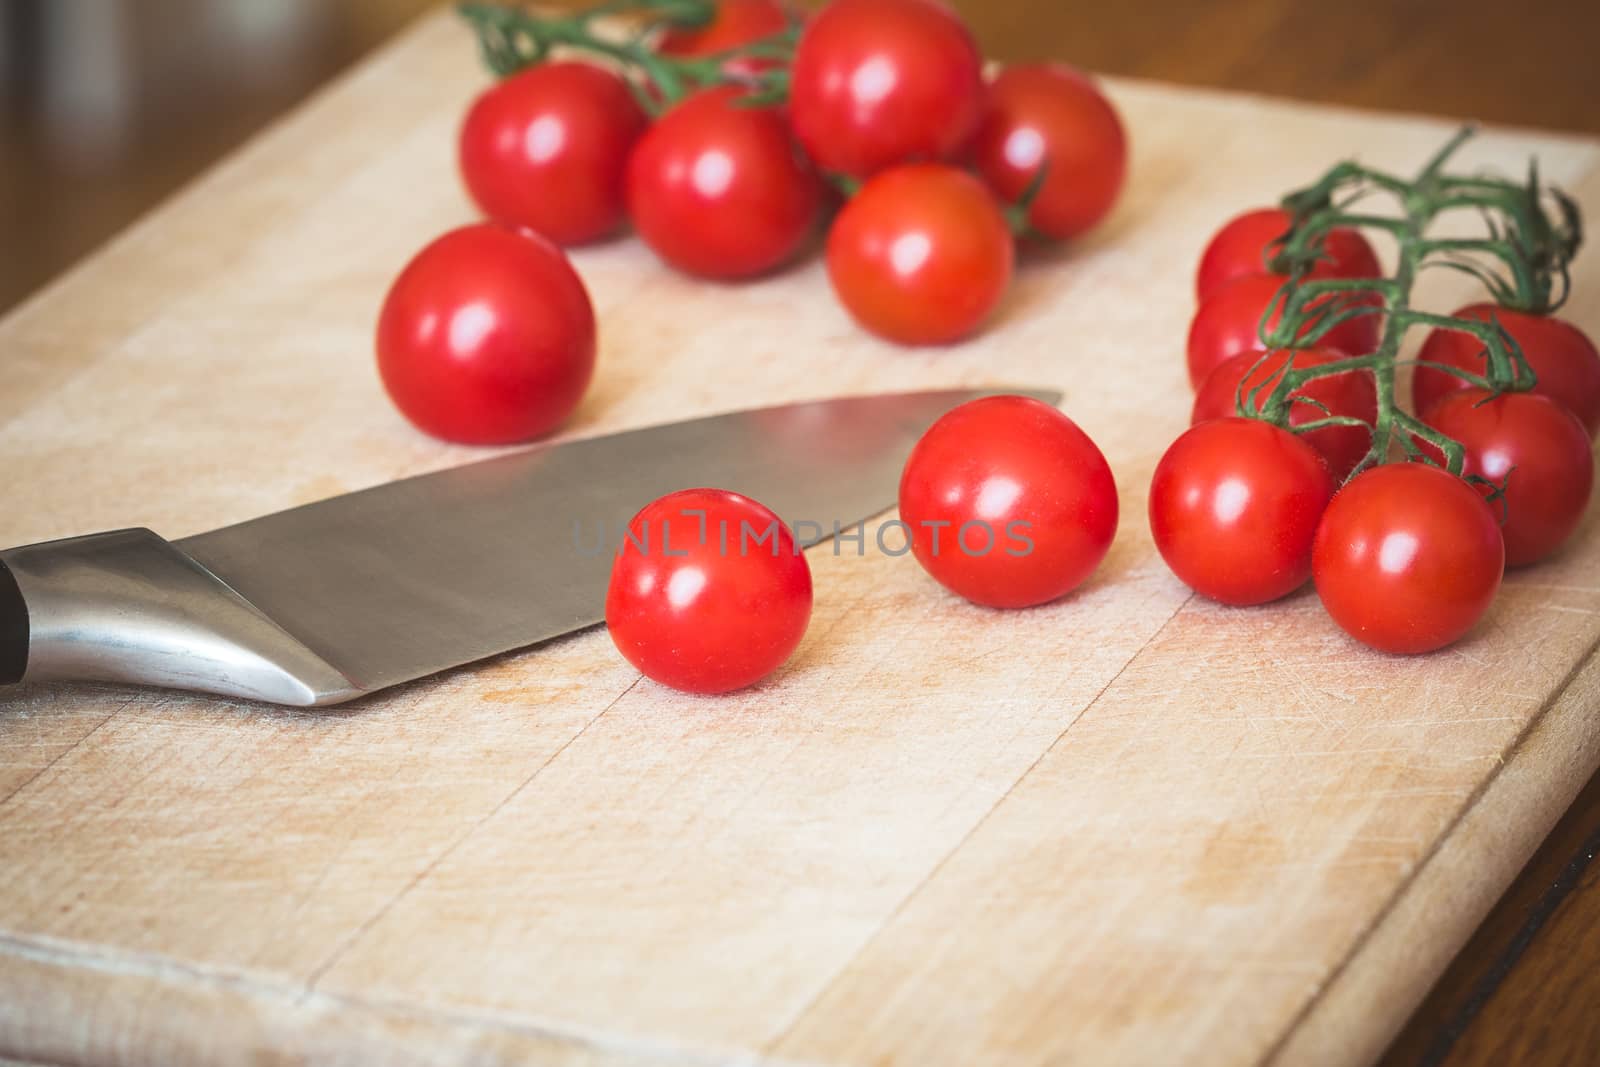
(346, 596)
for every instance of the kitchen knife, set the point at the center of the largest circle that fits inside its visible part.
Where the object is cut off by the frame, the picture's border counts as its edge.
(326, 602)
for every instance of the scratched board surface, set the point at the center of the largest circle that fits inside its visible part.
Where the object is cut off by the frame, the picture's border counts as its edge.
(1132, 826)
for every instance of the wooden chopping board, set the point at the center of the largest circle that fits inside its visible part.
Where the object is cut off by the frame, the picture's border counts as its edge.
(1130, 827)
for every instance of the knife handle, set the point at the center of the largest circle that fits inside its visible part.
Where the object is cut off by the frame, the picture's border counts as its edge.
(13, 628)
(128, 606)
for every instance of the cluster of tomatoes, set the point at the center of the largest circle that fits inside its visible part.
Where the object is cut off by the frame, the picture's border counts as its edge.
(1004, 501)
(1007, 503)
(487, 336)
(1405, 556)
(886, 99)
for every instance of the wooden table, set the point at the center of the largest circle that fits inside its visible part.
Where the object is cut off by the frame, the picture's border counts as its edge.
(1461, 987)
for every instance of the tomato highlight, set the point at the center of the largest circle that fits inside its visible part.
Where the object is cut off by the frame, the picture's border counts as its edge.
(875, 83)
(708, 592)
(1234, 506)
(1050, 118)
(1010, 504)
(1533, 447)
(921, 255)
(548, 148)
(719, 189)
(1408, 558)
(487, 337)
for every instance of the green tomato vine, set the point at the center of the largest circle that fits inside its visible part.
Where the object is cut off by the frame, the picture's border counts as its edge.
(514, 38)
(1532, 232)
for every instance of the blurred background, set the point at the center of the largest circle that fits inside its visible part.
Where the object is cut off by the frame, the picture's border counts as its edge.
(107, 106)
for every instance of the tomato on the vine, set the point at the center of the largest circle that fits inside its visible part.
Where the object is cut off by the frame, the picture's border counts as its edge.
(735, 23)
(1048, 116)
(1247, 242)
(1229, 322)
(1536, 448)
(709, 592)
(1351, 395)
(1565, 361)
(547, 148)
(880, 82)
(1408, 558)
(1010, 504)
(1234, 506)
(921, 255)
(487, 336)
(720, 189)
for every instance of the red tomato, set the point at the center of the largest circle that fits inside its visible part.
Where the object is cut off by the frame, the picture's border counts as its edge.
(547, 149)
(921, 255)
(709, 592)
(736, 23)
(1050, 115)
(487, 336)
(1234, 505)
(721, 190)
(1408, 558)
(1009, 503)
(1533, 445)
(1229, 322)
(880, 82)
(1248, 241)
(1351, 394)
(1565, 361)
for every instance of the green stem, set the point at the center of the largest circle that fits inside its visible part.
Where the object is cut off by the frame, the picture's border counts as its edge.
(1017, 214)
(1523, 239)
(1436, 164)
(514, 38)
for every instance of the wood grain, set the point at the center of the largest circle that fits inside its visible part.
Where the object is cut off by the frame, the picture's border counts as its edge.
(1466, 59)
(1125, 827)
(1522, 990)
(1523, 1022)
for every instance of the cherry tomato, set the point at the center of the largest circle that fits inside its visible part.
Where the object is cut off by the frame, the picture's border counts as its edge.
(1537, 448)
(921, 255)
(1234, 506)
(709, 592)
(721, 190)
(1048, 115)
(547, 149)
(1010, 504)
(880, 82)
(736, 23)
(1408, 558)
(1248, 241)
(1564, 360)
(487, 336)
(1229, 322)
(1351, 394)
